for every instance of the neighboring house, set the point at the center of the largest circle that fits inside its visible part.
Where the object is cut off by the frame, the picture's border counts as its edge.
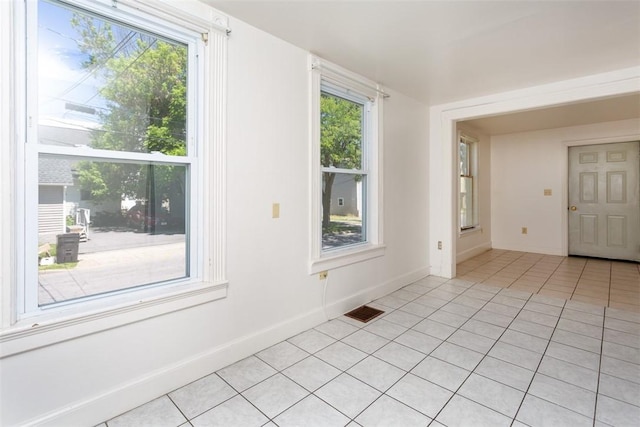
(54, 176)
(75, 133)
(346, 196)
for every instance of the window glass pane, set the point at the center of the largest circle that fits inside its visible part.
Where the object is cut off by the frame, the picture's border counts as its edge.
(340, 132)
(107, 85)
(466, 202)
(464, 159)
(108, 226)
(342, 224)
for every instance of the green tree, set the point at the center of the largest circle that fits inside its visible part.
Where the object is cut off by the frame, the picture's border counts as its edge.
(340, 143)
(144, 84)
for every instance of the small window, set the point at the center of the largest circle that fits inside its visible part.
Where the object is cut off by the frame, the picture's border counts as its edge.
(340, 201)
(468, 182)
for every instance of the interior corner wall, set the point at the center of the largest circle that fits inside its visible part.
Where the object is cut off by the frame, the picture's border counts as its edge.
(472, 243)
(523, 165)
(91, 378)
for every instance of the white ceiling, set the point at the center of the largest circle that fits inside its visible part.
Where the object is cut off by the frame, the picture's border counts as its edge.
(582, 113)
(444, 51)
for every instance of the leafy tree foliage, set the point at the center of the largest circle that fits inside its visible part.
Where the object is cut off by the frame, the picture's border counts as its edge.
(144, 85)
(340, 143)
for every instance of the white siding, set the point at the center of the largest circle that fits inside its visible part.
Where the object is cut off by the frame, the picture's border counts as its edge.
(51, 210)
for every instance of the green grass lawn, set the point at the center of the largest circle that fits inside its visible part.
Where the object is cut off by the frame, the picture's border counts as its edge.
(53, 252)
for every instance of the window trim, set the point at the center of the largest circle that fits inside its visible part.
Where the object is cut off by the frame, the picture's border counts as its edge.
(472, 165)
(322, 71)
(91, 316)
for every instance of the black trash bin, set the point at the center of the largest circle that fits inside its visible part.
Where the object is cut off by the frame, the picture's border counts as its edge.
(67, 250)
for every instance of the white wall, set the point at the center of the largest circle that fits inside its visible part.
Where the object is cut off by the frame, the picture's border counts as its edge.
(88, 379)
(522, 166)
(472, 243)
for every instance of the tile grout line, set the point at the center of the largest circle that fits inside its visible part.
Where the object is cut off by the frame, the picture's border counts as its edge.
(513, 420)
(595, 406)
(421, 360)
(574, 286)
(445, 340)
(178, 408)
(507, 265)
(368, 355)
(578, 281)
(608, 293)
(538, 367)
(427, 355)
(483, 357)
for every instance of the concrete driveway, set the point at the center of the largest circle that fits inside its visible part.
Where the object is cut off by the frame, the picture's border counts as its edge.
(117, 238)
(114, 259)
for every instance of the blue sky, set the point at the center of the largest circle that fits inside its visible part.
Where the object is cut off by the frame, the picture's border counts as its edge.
(63, 81)
(62, 78)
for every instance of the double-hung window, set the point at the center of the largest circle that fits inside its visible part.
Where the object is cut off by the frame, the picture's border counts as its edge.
(113, 176)
(468, 148)
(346, 224)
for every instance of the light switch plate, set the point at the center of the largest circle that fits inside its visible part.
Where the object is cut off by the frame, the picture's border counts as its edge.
(275, 210)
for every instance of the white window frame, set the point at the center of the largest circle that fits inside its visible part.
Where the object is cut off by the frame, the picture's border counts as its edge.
(206, 147)
(324, 74)
(472, 161)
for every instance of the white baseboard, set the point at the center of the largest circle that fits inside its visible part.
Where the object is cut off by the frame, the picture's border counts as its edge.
(127, 396)
(471, 252)
(345, 305)
(531, 249)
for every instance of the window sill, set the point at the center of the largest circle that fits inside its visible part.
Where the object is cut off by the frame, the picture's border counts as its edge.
(469, 231)
(344, 257)
(41, 331)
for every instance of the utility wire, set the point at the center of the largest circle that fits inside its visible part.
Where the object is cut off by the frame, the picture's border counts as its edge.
(97, 67)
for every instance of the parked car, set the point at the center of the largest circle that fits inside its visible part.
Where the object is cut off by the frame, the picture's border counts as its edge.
(138, 218)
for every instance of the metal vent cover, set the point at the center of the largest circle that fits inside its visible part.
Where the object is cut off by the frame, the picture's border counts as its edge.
(364, 313)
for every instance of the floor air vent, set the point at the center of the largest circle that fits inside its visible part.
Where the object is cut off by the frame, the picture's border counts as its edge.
(364, 313)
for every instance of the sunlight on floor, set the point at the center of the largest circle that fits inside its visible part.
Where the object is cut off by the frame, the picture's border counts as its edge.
(613, 284)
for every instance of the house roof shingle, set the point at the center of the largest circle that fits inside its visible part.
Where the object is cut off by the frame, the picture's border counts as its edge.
(53, 171)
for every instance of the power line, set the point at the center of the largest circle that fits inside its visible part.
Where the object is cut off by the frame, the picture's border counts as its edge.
(97, 66)
(120, 73)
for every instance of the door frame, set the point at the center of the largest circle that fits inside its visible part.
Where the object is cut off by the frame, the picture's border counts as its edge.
(565, 184)
(442, 197)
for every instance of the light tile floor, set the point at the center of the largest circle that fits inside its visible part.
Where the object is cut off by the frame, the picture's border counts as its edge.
(483, 349)
(602, 282)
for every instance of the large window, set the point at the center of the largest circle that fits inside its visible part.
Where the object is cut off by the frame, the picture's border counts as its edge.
(468, 148)
(113, 185)
(345, 141)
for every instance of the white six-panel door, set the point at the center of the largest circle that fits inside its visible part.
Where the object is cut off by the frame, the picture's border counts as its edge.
(604, 201)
